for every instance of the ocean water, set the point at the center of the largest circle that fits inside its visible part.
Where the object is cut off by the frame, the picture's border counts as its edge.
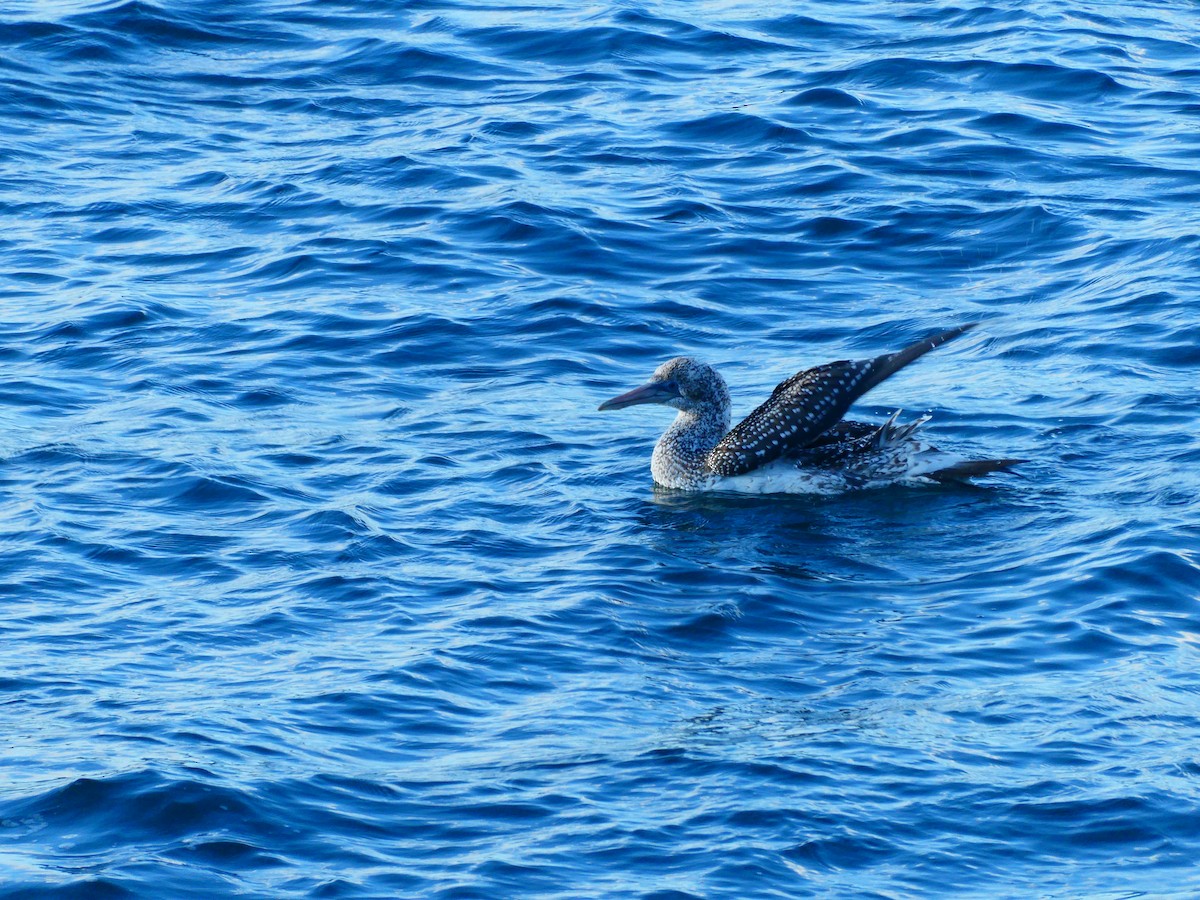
(322, 576)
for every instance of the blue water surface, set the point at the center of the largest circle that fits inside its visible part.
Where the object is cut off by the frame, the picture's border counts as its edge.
(322, 576)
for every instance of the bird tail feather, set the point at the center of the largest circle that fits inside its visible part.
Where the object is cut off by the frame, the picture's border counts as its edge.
(973, 468)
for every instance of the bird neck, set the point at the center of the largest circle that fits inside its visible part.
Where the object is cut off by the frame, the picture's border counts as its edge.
(680, 454)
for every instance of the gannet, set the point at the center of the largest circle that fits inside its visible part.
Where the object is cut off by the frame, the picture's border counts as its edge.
(797, 441)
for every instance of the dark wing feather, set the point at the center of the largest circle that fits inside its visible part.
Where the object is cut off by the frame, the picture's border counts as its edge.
(807, 404)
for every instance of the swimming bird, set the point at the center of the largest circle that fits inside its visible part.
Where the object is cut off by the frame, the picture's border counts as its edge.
(797, 441)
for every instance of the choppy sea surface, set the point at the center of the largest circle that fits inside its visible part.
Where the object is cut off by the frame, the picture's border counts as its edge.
(321, 575)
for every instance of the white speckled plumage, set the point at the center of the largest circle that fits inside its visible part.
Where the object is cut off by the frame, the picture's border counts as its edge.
(795, 442)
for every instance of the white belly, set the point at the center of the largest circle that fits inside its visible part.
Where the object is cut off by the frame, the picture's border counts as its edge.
(907, 463)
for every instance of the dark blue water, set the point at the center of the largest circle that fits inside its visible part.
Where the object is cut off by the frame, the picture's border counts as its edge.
(322, 577)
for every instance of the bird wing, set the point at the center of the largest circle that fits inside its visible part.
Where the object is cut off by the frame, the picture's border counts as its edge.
(801, 408)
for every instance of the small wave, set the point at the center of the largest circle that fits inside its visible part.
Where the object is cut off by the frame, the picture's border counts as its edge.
(323, 576)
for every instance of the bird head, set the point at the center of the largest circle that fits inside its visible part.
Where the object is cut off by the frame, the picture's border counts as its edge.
(683, 383)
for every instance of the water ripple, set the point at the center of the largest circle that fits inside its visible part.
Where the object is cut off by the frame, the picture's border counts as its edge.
(324, 578)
